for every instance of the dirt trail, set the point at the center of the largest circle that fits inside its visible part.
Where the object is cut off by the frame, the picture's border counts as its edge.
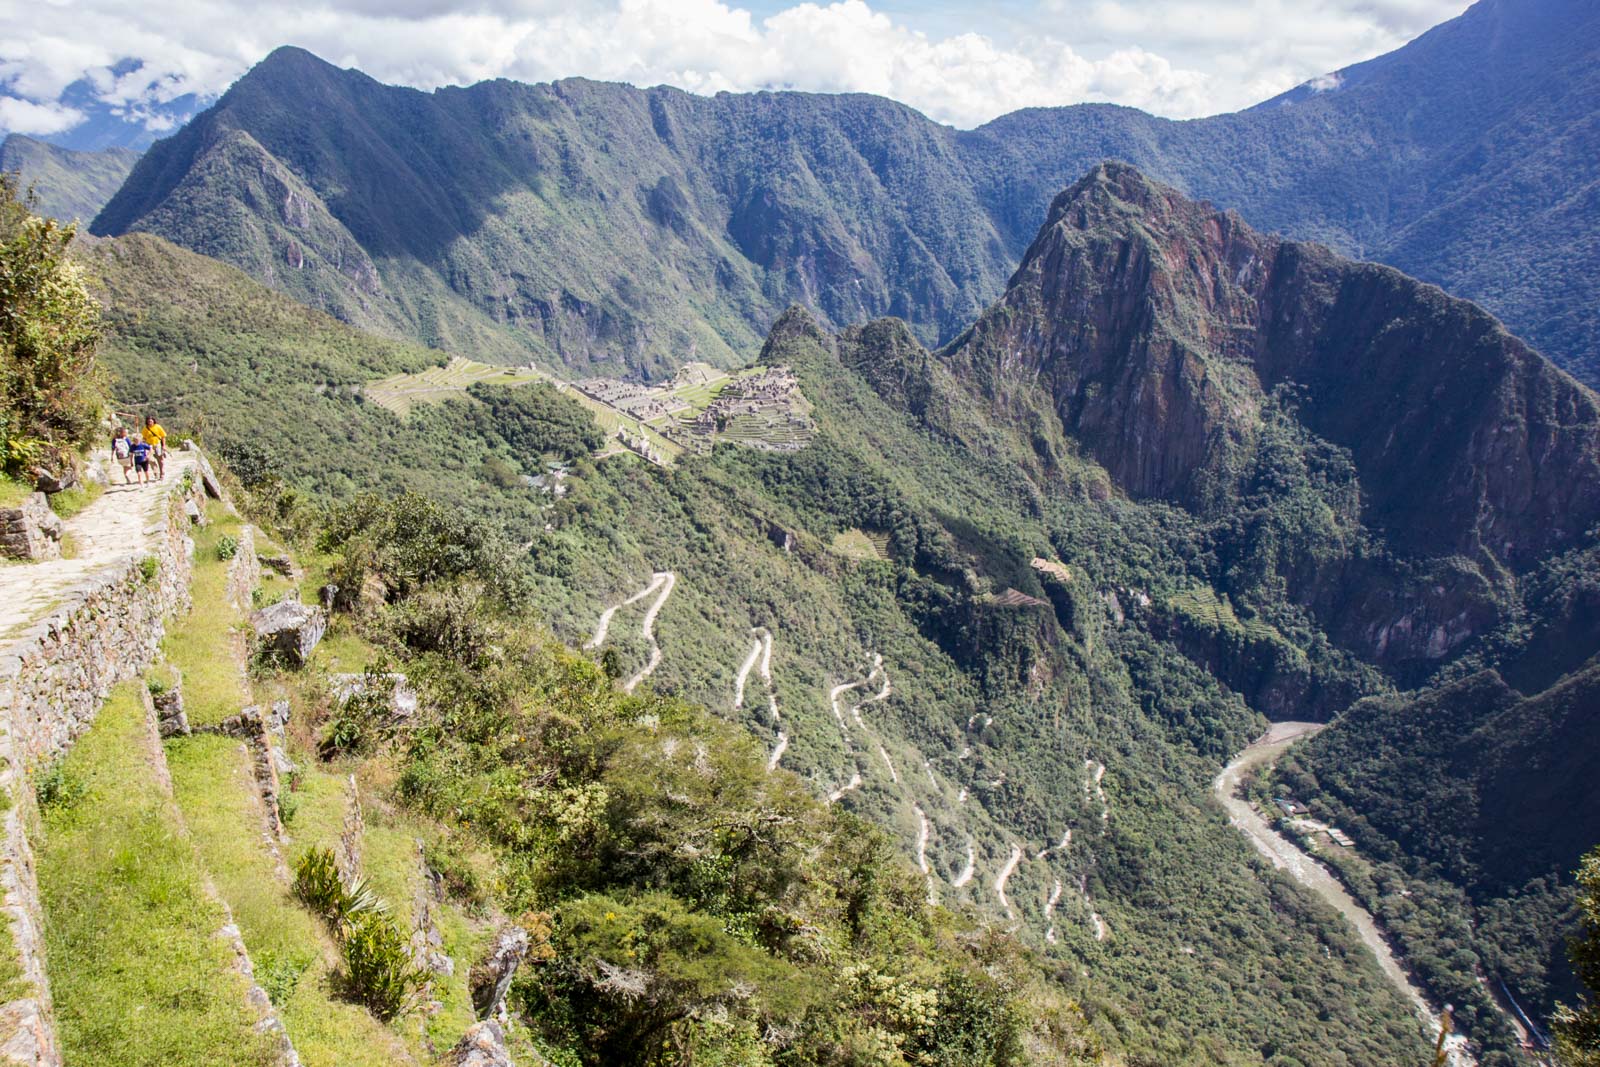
(761, 656)
(108, 532)
(853, 784)
(1005, 876)
(604, 626)
(1286, 856)
(1094, 773)
(744, 671)
(1050, 911)
(967, 872)
(662, 581)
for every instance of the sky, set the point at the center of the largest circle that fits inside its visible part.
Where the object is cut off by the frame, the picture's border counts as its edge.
(961, 64)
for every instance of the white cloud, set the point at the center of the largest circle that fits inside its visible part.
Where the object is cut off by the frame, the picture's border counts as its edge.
(1175, 57)
(24, 116)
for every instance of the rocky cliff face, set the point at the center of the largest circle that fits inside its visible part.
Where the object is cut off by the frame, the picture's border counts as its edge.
(1156, 329)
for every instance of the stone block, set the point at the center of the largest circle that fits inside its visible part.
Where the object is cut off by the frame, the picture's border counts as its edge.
(31, 531)
(290, 629)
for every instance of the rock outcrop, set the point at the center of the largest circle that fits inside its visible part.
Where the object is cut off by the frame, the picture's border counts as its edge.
(491, 977)
(1153, 329)
(483, 1045)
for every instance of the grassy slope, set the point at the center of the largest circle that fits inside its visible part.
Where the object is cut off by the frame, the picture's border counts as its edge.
(214, 787)
(137, 971)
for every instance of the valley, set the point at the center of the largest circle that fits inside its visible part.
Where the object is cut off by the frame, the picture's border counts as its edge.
(1284, 855)
(816, 586)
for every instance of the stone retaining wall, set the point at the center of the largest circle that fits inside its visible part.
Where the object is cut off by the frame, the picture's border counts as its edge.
(244, 571)
(31, 530)
(53, 679)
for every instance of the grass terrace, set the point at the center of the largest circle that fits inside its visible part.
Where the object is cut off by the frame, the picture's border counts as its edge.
(137, 971)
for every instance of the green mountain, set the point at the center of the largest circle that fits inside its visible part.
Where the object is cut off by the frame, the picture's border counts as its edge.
(602, 226)
(68, 184)
(972, 613)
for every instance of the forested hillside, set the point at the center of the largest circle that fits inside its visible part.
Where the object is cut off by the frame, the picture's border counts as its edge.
(599, 225)
(68, 185)
(967, 612)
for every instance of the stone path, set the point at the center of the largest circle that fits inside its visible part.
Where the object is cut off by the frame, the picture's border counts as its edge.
(104, 534)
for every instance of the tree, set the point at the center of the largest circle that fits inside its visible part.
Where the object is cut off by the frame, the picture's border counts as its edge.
(51, 392)
(1578, 1030)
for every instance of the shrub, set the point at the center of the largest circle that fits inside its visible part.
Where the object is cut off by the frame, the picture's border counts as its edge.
(378, 968)
(319, 886)
(279, 975)
(361, 719)
(51, 392)
(59, 789)
(149, 567)
(227, 546)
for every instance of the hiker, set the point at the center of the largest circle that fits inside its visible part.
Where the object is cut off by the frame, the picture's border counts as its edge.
(155, 435)
(141, 458)
(122, 452)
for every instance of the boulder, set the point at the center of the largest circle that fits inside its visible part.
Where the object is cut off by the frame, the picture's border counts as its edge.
(282, 563)
(402, 699)
(290, 629)
(483, 1045)
(491, 978)
(192, 509)
(208, 479)
(54, 481)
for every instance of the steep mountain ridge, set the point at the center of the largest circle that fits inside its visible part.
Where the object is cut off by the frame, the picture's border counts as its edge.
(601, 225)
(1156, 328)
(68, 184)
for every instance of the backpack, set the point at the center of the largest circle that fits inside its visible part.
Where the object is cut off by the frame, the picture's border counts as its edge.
(119, 447)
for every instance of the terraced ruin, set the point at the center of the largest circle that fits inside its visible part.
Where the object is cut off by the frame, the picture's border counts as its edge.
(757, 407)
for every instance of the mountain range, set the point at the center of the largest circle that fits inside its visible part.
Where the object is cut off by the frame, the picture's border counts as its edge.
(68, 183)
(1172, 407)
(590, 224)
(1105, 476)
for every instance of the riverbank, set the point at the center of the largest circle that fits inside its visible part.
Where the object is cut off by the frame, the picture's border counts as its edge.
(1288, 857)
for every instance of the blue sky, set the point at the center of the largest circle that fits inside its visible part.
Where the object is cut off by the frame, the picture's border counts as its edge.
(959, 63)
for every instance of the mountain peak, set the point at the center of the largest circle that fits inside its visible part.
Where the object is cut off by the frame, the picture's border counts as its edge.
(1163, 327)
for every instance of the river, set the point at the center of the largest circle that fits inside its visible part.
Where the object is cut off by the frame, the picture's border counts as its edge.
(1291, 859)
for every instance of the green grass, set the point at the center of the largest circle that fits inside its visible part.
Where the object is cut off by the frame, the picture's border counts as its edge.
(212, 778)
(213, 781)
(1202, 604)
(136, 969)
(71, 502)
(202, 644)
(854, 544)
(13, 492)
(400, 392)
(391, 864)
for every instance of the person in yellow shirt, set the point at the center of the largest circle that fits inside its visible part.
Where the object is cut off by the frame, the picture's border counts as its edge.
(156, 437)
